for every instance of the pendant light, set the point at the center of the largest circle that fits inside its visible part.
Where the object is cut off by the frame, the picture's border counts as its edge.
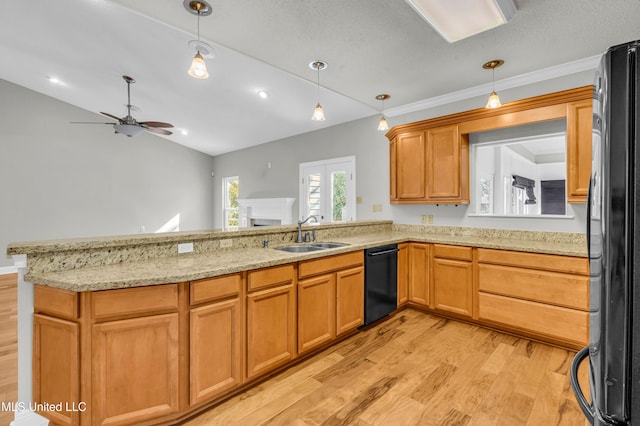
(318, 112)
(198, 68)
(494, 99)
(383, 125)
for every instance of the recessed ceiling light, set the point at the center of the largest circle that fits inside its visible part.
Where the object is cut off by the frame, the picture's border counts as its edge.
(56, 81)
(263, 94)
(184, 132)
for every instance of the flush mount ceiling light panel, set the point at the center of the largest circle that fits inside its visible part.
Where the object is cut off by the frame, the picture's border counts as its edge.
(458, 19)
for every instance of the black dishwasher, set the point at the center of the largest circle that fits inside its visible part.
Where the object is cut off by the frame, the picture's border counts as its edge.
(380, 282)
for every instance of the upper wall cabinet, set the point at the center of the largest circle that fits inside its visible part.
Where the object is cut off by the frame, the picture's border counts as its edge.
(430, 167)
(429, 160)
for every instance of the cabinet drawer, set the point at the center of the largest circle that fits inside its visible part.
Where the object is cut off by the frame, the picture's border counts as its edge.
(210, 289)
(269, 277)
(134, 301)
(549, 262)
(558, 322)
(567, 290)
(332, 263)
(452, 252)
(55, 302)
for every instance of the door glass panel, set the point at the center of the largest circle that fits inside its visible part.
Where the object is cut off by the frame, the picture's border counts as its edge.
(314, 191)
(339, 195)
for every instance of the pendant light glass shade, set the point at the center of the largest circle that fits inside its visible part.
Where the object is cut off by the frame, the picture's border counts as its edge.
(383, 125)
(494, 99)
(198, 68)
(318, 113)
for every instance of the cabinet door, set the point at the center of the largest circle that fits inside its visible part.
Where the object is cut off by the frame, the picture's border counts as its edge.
(410, 166)
(134, 369)
(403, 274)
(419, 273)
(56, 364)
(444, 165)
(453, 286)
(393, 193)
(579, 124)
(215, 355)
(271, 329)
(316, 311)
(349, 299)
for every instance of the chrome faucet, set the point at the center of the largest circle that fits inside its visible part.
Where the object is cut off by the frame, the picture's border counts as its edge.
(302, 222)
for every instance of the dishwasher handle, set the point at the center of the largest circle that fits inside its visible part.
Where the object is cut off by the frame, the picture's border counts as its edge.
(380, 253)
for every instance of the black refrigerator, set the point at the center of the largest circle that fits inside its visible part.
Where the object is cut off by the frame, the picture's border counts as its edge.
(613, 230)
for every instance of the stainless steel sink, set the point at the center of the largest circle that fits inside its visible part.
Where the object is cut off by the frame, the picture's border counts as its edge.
(329, 245)
(299, 249)
(310, 247)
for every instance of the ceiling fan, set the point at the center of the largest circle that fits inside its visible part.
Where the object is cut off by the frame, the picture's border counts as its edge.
(130, 126)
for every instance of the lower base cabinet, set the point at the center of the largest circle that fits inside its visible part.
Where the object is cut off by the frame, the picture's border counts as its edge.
(316, 311)
(452, 279)
(271, 319)
(139, 351)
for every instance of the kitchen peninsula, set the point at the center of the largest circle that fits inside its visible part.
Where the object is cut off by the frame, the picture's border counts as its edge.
(114, 315)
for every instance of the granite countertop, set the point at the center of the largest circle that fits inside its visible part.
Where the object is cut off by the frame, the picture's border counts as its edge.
(196, 266)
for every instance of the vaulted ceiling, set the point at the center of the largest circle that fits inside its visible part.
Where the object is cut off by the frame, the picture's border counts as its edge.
(371, 46)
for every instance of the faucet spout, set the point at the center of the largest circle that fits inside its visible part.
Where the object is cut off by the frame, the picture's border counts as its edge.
(302, 222)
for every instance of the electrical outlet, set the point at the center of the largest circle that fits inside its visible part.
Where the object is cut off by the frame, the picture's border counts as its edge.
(374, 208)
(358, 200)
(185, 248)
(226, 243)
(379, 207)
(423, 219)
(430, 219)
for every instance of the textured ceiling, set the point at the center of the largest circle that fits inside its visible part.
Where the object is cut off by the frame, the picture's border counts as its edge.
(372, 46)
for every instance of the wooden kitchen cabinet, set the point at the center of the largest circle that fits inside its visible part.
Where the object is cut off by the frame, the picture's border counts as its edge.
(453, 279)
(271, 319)
(579, 134)
(316, 311)
(135, 369)
(56, 366)
(419, 268)
(216, 339)
(429, 167)
(330, 298)
(540, 295)
(403, 274)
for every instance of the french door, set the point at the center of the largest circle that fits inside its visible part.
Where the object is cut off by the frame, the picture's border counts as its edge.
(328, 190)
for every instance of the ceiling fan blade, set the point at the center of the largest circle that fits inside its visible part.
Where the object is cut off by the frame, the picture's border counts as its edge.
(111, 116)
(157, 130)
(155, 124)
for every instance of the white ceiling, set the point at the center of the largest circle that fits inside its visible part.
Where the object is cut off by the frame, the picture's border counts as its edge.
(371, 46)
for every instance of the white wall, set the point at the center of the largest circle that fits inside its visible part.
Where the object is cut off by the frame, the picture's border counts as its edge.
(360, 138)
(62, 180)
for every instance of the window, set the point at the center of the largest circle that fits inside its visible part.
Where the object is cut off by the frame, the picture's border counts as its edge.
(327, 190)
(230, 202)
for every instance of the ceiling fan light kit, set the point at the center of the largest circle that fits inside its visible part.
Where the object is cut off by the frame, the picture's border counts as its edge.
(198, 68)
(128, 125)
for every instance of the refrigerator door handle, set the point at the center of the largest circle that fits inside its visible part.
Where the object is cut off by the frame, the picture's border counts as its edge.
(585, 406)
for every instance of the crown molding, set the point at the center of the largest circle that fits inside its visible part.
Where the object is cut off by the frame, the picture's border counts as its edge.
(568, 68)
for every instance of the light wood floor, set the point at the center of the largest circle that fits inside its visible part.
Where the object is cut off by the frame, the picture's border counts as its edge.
(8, 343)
(415, 369)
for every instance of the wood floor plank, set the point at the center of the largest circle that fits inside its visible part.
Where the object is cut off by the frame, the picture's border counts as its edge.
(415, 369)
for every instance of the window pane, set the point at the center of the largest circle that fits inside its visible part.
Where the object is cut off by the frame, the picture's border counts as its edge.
(338, 195)
(313, 182)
